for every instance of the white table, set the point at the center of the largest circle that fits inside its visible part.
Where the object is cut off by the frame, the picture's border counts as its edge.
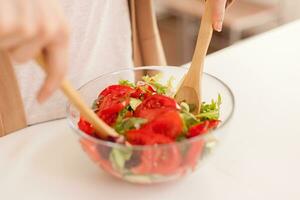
(259, 159)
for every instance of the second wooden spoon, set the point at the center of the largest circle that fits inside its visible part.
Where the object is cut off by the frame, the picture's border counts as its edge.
(190, 88)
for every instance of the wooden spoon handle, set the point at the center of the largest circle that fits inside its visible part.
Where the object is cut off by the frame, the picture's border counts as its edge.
(103, 130)
(203, 41)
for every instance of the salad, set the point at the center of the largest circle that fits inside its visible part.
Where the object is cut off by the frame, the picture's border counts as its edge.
(145, 113)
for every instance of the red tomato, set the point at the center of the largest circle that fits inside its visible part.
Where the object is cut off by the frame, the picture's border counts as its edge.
(161, 122)
(162, 161)
(129, 114)
(145, 166)
(116, 89)
(167, 123)
(194, 153)
(91, 149)
(137, 93)
(156, 101)
(110, 114)
(151, 114)
(145, 137)
(198, 129)
(85, 126)
(167, 160)
(110, 105)
(112, 99)
(143, 91)
(213, 124)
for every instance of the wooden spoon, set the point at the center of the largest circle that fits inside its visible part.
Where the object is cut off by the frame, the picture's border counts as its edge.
(102, 129)
(190, 88)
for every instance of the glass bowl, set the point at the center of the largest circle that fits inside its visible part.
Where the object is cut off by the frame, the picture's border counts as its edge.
(156, 163)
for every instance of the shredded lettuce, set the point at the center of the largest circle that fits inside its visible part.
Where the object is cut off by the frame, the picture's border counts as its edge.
(210, 111)
(127, 83)
(129, 124)
(121, 115)
(188, 120)
(119, 156)
(134, 103)
(153, 81)
(184, 107)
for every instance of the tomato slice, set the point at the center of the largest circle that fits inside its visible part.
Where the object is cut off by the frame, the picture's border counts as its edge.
(116, 89)
(145, 137)
(137, 93)
(91, 149)
(151, 114)
(161, 122)
(198, 129)
(109, 115)
(168, 123)
(110, 105)
(213, 124)
(112, 99)
(142, 91)
(167, 160)
(156, 101)
(85, 126)
(194, 153)
(162, 161)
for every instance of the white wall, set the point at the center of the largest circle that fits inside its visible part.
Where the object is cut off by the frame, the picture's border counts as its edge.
(290, 9)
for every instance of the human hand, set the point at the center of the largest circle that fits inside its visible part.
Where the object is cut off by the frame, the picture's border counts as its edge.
(31, 27)
(218, 13)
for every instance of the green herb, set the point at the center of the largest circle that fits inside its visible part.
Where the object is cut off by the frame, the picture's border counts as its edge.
(157, 77)
(210, 111)
(153, 81)
(188, 120)
(127, 83)
(121, 115)
(128, 124)
(134, 103)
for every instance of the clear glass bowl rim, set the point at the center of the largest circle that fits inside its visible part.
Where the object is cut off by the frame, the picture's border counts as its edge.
(145, 147)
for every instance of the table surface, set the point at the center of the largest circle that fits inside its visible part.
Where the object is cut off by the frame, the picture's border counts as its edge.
(259, 158)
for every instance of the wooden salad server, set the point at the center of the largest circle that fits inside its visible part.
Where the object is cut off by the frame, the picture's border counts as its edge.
(190, 88)
(102, 129)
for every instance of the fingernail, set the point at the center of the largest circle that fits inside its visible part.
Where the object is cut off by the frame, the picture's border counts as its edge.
(218, 26)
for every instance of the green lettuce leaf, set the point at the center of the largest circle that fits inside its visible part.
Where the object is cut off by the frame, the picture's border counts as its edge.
(119, 156)
(153, 81)
(188, 120)
(127, 83)
(128, 124)
(210, 111)
(134, 103)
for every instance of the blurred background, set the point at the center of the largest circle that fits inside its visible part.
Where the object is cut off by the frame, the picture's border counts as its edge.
(179, 20)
